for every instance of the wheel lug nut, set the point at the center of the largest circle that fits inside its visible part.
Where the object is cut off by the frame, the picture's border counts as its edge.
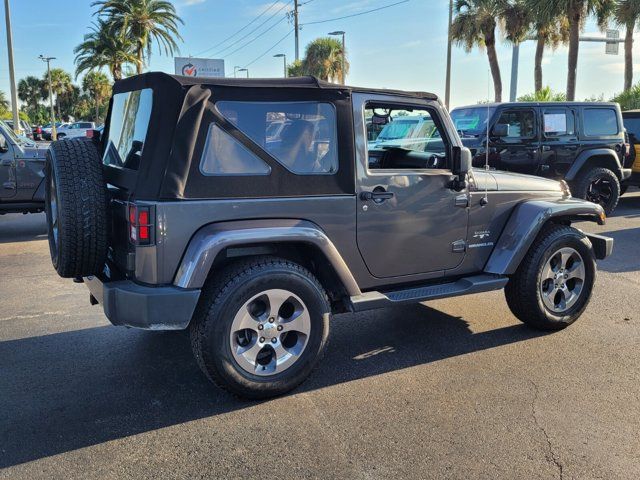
(279, 328)
(271, 320)
(274, 340)
(260, 327)
(261, 339)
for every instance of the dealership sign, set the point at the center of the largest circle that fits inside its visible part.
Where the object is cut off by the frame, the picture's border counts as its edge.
(199, 67)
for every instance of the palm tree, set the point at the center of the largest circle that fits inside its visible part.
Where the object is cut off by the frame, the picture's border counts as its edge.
(102, 47)
(145, 22)
(60, 85)
(627, 13)
(323, 59)
(475, 25)
(30, 92)
(98, 87)
(576, 11)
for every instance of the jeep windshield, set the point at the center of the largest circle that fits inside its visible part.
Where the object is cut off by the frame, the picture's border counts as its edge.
(471, 121)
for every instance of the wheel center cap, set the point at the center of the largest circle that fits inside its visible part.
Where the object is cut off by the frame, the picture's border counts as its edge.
(270, 331)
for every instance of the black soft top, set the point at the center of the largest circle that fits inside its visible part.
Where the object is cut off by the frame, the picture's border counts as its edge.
(159, 79)
(182, 110)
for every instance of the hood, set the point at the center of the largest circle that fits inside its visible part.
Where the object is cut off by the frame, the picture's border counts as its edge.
(509, 181)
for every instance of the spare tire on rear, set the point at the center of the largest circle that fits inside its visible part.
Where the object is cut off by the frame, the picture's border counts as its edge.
(76, 208)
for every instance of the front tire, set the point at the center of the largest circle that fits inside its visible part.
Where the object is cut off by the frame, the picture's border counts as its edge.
(260, 327)
(553, 284)
(601, 186)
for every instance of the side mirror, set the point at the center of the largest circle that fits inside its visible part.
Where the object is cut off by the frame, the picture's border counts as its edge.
(4, 147)
(462, 164)
(500, 130)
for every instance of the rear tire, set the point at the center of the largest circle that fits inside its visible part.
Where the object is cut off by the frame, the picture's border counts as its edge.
(261, 327)
(76, 208)
(599, 185)
(553, 284)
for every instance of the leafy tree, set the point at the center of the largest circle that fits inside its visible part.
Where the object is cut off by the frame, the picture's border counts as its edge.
(103, 47)
(629, 99)
(60, 85)
(575, 11)
(97, 87)
(4, 103)
(295, 69)
(475, 25)
(323, 59)
(147, 23)
(30, 92)
(543, 95)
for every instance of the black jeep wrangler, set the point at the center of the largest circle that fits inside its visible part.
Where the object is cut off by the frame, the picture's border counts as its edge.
(582, 143)
(251, 210)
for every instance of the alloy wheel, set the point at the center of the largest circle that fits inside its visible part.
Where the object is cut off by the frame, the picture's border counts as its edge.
(270, 332)
(562, 280)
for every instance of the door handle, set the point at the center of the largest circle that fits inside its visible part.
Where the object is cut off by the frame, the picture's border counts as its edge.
(546, 148)
(376, 196)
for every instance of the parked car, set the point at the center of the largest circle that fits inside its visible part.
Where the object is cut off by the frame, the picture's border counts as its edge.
(97, 131)
(631, 120)
(254, 244)
(36, 132)
(25, 129)
(46, 130)
(582, 143)
(21, 173)
(76, 129)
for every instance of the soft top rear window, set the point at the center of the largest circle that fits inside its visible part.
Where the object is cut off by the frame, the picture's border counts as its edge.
(128, 126)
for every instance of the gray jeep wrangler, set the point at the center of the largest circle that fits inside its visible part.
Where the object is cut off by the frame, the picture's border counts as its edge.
(250, 211)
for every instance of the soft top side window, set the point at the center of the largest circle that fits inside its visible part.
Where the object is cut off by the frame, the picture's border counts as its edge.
(128, 126)
(302, 136)
(558, 122)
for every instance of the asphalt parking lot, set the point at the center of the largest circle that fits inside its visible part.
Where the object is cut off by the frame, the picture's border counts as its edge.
(455, 388)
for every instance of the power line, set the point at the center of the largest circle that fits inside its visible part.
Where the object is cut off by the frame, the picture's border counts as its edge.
(239, 31)
(234, 43)
(271, 48)
(356, 14)
(256, 37)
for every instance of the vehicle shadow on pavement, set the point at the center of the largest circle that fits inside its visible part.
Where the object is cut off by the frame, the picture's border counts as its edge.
(22, 228)
(628, 207)
(70, 390)
(623, 241)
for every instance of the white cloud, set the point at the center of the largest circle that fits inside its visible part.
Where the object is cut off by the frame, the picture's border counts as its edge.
(188, 3)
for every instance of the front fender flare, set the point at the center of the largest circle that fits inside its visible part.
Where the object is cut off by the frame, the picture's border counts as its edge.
(212, 239)
(525, 223)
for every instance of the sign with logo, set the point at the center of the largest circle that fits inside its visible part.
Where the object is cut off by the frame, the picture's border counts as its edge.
(199, 67)
(612, 46)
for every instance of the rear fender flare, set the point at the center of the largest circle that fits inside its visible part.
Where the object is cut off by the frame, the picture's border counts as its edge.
(211, 240)
(610, 161)
(525, 223)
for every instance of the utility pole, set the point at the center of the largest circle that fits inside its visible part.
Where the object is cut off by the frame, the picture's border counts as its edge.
(447, 88)
(12, 74)
(297, 28)
(54, 132)
(515, 60)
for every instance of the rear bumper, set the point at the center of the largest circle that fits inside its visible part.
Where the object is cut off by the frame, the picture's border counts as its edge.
(625, 173)
(151, 308)
(633, 180)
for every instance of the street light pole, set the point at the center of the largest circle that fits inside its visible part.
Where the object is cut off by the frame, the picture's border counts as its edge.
(235, 70)
(344, 54)
(12, 74)
(447, 87)
(284, 57)
(297, 28)
(244, 70)
(54, 132)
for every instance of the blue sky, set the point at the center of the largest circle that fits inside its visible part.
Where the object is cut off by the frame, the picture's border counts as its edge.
(400, 47)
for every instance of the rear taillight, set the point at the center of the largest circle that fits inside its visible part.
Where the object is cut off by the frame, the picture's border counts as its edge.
(140, 225)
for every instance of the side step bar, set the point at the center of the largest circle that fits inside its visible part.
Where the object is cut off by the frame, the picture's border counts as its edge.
(463, 286)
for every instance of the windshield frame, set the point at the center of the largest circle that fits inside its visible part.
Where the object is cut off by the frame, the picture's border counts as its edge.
(484, 118)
